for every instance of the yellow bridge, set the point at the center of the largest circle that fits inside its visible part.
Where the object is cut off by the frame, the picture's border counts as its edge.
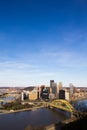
(61, 104)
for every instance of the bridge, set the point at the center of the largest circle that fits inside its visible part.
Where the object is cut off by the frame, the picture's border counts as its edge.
(62, 104)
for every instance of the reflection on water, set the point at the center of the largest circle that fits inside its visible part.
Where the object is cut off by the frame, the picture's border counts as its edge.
(20, 120)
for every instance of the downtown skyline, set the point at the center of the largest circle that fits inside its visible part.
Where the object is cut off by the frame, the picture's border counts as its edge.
(42, 40)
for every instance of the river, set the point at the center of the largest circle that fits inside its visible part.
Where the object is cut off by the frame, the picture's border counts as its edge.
(39, 117)
(81, 105)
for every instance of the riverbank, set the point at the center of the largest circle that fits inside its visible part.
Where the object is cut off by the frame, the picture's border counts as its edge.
(20, 110)
(80, 99)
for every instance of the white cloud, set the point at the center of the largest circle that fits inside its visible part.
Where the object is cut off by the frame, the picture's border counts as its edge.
(52, 61)
(15, 64)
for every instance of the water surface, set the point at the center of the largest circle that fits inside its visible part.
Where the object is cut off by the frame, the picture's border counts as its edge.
(20, 120)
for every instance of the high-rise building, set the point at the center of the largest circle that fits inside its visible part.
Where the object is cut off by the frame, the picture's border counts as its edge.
(54, 88)
(50, 90)
(41, 90)
(51, 83)
(71, 89)
(57, 88)
(45, 93)
(67, 95)
(60, 86)
(61, 94)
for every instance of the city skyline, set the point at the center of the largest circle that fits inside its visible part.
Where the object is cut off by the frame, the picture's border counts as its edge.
(43, 40)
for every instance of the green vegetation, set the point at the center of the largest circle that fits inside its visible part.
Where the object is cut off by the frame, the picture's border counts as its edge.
(16, 106)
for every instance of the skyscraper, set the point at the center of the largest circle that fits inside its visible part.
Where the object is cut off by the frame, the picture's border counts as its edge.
(51, 83)
(54, 88)
(71, 89)
(61, 94)
(60, 86)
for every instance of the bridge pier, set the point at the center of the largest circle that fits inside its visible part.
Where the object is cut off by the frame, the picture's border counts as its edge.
(72, 115)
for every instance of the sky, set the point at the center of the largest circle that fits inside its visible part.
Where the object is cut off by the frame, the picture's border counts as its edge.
(42, 40)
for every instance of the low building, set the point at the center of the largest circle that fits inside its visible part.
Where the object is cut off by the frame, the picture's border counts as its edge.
(32, 92)
(33, 95)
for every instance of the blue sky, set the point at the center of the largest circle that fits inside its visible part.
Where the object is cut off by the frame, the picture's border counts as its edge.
(42, 40)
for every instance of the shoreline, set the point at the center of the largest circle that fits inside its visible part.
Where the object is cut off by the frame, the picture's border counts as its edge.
(80, 99)
(20, 110)
(33, 108)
